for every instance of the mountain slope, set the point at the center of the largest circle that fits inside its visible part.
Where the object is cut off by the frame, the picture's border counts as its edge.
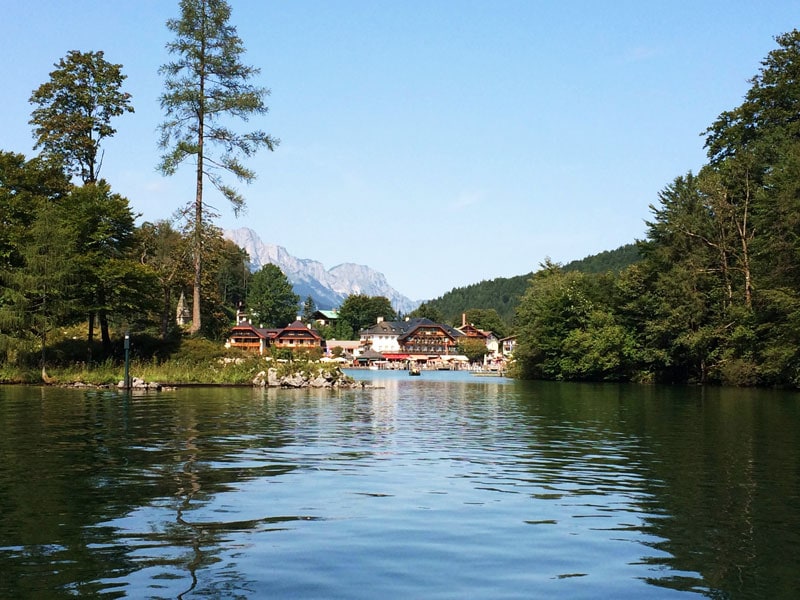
(328, 287)
(503, 293)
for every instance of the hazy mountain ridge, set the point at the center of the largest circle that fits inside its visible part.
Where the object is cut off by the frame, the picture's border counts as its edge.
(328, 287)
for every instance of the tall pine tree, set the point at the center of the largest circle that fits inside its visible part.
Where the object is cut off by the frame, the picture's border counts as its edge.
(206, 85)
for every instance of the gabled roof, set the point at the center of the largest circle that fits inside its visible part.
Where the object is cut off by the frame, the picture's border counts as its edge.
(403, 328)
(273, 333)
(298, 327)
(385, 328)
(415, 324)
(326, 314)
(371, 354)
(470, 330)
(259, 331)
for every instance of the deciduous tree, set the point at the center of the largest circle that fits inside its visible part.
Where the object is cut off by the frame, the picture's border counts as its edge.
(359, 311)
(473, 348)
(75, 108)
(102, 225)
(163, 250)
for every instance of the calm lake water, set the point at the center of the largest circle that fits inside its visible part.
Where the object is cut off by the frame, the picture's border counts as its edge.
(440, 486)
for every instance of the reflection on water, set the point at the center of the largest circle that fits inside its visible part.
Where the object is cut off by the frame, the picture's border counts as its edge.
(438, 486)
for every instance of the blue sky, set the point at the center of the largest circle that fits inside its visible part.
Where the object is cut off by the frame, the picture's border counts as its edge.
(439, 142)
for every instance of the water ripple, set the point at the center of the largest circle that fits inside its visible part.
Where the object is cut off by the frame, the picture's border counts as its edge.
(419, 489)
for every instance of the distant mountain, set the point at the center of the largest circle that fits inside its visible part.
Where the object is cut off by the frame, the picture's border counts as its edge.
(328, 287)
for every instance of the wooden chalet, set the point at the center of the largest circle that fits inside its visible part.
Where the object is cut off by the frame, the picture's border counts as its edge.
(295, 336)
(248, 337)
(508, 345)
(325, 317)
(471, 331)
(423, 336)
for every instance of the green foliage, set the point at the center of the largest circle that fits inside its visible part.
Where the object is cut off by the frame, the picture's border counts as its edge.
(503, 294)
(41, 294)
(270, 298)
(166, 254)
(339, 330)
(486, 319)
(232, 274)
(75, 108)
(571, 327)
(715, 297)
(224, 282)
(600, 349)
(25, 185)
(473, 348)
(101, 224)
(359, 311)
(609, 260)
(206, 86)
(195, 350)
(767, 119)
(309, 308)
(427, 310)
(280, 354)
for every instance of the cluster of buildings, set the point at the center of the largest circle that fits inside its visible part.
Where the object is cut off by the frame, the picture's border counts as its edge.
(387, 344)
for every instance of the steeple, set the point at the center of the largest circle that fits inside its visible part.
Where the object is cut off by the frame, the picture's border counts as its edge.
(183, 316)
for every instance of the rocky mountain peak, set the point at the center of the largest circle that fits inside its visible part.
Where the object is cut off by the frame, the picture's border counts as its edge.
(328, 287)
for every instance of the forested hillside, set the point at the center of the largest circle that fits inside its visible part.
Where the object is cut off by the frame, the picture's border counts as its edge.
(503, 293)
(715, 297)
(609, 261)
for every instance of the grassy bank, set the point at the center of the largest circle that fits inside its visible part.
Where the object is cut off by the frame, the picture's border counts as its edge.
(168, 371)
(191, 361)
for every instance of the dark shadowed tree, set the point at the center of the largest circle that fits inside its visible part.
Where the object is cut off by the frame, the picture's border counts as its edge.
(102, 225)
(206, 86)
(270, 298)
(427, 310)
(233, 275)
(40, 295)
(24, 186)
(360, 311)
(163, 250)
(309, 308)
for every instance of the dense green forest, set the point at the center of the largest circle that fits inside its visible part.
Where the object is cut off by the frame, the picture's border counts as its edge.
(503, 293)
(76, 272)
(715, 297)
(612, 261)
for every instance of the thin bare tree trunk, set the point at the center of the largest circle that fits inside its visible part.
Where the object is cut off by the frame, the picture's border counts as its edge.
(198, 201)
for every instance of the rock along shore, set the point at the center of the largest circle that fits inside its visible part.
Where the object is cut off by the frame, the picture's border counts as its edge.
(298, 379)
(323, 378)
